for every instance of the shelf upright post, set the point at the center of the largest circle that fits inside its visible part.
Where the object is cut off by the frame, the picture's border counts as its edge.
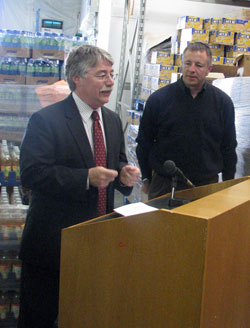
(135, 70)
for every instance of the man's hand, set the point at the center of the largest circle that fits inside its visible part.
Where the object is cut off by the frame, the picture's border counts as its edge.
(129, 175)
(100, 177)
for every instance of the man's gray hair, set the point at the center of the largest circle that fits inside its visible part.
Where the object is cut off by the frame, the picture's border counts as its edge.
(80, 59)
(199, 46)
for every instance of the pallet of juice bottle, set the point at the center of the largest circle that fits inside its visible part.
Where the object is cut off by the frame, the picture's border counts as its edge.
(9, 180)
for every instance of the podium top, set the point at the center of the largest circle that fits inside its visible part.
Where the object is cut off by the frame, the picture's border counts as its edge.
(217, 202)
(206, 201)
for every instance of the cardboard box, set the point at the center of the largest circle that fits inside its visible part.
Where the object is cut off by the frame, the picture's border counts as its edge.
(166, 71)
(242, 63)
(48, 53)
(146, 69)
(12, 79)
(15, 52)
(183, 46)
(228, 24)
(217, 49)
(145, 93)
(217, 60)
(130, 116)
(175, 47)
(214, 76)
(243, 39)
(157, 83)
(242, 13)
(190, 21)
(229, 61)
(175, 77)
(162, 57)
(242, 25)
(212, 23)
(177, 60)
(241, 67)
(222, 37)
(146, 81)
(37, 80)
(240, 51)
(193, 35)
(137, 117)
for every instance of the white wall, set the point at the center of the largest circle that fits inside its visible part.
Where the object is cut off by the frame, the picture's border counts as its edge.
(22, 14)
(160, 23)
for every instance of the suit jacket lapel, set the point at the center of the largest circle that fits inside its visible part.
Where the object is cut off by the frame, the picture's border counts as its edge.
(74, 122)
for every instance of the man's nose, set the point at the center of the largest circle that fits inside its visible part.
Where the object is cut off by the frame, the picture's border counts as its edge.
(110, 80)
(192, 67)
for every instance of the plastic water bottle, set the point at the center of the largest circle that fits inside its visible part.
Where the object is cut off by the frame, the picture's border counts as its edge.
(30, 68)
(4, 305)
(39, 67)
(5, 66)
(55, 68)
(1, 37)
(14, 307)
(1, 65)
(46, 68)
(5, 264)
(16, 265)
(16, 39)
(8, 38)
(37, 40)
(22, 67)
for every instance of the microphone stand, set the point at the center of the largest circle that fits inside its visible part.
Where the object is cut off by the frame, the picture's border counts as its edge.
(175, 202)
(173, 186)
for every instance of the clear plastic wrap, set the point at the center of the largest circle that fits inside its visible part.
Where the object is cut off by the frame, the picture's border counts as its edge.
(238, 89)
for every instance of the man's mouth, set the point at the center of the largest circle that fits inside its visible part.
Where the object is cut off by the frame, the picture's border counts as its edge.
(107, 90)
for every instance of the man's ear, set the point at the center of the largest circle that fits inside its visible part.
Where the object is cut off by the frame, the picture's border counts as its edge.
(75, 78)
(210, 68)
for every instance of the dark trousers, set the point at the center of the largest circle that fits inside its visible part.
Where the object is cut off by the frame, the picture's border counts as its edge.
(39, 296)
(162, 185)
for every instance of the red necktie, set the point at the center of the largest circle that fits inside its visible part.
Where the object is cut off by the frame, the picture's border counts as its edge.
(100, 158)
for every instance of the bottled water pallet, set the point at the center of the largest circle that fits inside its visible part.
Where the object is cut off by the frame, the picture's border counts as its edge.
(11, 181)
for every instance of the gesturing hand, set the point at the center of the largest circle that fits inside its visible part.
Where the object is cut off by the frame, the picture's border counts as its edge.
(101, 177)
(129, 175)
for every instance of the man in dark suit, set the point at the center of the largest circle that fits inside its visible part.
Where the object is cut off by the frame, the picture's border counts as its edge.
(58, 164)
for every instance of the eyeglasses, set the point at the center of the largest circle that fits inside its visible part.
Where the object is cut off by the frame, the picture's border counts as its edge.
(104, 76)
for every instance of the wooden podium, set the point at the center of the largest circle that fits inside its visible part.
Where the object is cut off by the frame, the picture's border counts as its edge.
(183, 268)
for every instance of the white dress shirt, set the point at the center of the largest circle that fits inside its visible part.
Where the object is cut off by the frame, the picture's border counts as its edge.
(86, 112)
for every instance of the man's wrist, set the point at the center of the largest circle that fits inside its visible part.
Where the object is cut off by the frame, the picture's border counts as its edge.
(122, 184)
(145, 181)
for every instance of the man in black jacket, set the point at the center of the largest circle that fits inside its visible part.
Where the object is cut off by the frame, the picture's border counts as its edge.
(58, 165)
(190, 122)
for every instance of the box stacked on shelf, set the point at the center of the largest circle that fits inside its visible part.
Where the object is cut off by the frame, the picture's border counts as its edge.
(15, 43)
(18, 49)
(158, 72)
(28, 61)
(12, 218)
(228, 37)
(17, 103)
(42, 71)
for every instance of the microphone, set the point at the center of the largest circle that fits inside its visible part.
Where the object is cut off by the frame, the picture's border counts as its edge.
(173, 171)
